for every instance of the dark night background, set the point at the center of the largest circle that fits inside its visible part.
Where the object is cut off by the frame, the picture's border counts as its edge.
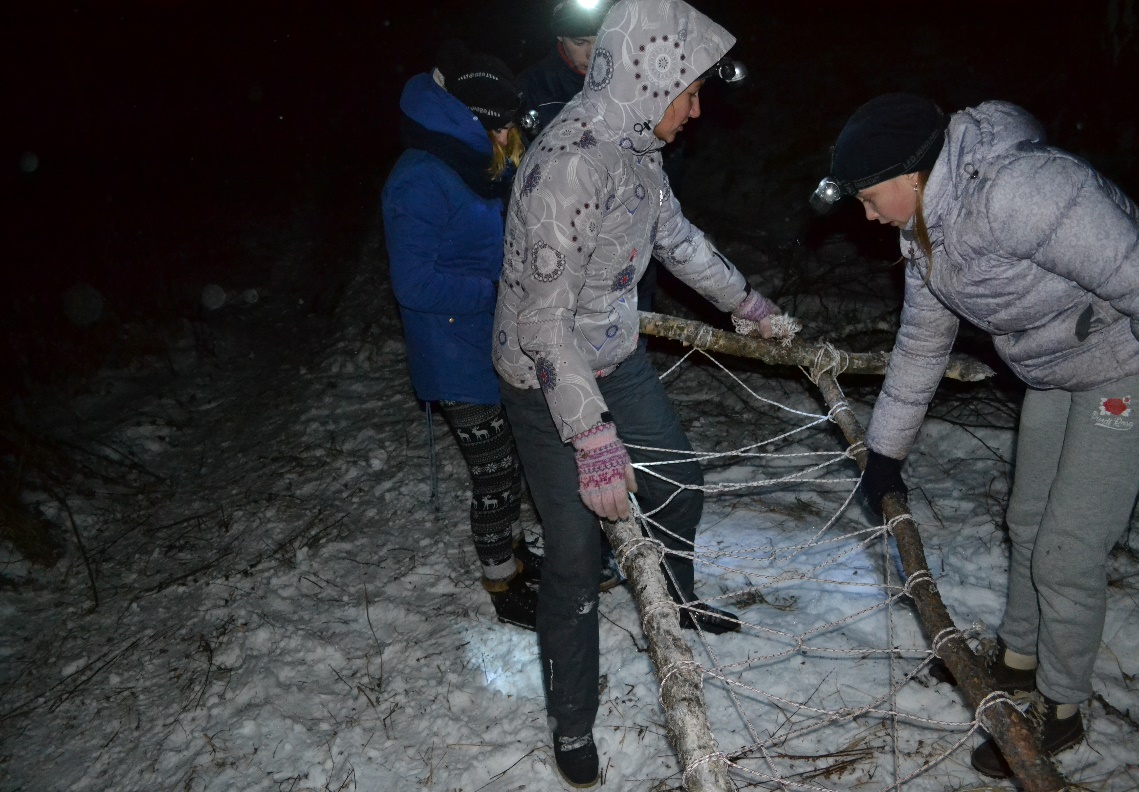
(150, 148)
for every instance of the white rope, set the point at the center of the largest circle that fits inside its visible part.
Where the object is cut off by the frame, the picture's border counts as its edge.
(828, 360)
(820, 562)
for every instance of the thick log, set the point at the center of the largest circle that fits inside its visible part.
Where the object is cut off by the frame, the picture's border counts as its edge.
(794, 353)
(1008, 726)
(681, 681)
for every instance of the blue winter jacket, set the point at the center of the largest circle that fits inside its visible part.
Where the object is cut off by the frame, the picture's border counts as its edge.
(445, 249)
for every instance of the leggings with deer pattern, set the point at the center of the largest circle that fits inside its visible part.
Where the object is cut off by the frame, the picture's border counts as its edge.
(487, 445)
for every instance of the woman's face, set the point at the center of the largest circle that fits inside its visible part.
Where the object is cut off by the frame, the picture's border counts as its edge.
(501, 136)
(683, 107)
(892, 202)
(578, 51)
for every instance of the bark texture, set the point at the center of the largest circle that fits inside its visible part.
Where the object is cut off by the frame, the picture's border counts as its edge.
(795, 353)
(1008, 726)
(681, 682)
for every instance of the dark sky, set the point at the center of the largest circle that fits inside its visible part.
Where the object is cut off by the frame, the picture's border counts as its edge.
(157, 127)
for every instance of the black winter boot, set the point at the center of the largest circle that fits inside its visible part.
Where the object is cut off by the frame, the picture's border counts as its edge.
(1053, 735)
(514, 601)
(1014, 681)
(1007, 678)
(611, 576)
(576, 758)
(531, 570)
(711, 620)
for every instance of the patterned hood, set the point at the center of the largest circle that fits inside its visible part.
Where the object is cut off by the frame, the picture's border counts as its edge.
(648, 52)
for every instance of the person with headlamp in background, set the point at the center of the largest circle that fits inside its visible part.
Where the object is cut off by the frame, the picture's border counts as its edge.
(443, 206)
(551, 82)
(1034, 246)
(590, 205)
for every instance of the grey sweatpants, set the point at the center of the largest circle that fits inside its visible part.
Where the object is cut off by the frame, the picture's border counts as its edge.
(1076, 480)
(567, 598)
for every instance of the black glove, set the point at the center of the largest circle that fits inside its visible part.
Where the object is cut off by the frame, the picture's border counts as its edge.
(882, 477)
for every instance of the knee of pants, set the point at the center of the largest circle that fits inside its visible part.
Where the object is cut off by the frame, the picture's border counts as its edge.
(572, 561)
(1023, 525)
(1065, 573)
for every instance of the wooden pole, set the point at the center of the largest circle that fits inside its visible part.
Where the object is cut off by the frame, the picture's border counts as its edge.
(1008, 726)
(681, 680)
(795, 353)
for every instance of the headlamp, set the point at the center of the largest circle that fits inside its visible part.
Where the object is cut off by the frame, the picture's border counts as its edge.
(826, 195)
(529, 121)
(728, 70)
(588, 5)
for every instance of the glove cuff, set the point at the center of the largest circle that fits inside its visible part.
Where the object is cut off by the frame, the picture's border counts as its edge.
(755, 308)
(592, 439)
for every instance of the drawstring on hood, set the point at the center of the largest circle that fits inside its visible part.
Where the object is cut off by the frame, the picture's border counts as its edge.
(647, 53)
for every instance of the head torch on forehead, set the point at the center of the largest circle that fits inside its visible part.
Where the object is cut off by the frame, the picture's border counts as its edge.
(727, 69)
(827, 194)
(529, 120)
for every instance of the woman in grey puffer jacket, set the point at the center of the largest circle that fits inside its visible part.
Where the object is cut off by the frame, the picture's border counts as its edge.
(591, 204)
(1034, 246)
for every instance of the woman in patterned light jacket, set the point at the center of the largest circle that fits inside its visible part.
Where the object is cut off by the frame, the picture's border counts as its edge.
(590, 205)
(1034, 246)
(443, 218)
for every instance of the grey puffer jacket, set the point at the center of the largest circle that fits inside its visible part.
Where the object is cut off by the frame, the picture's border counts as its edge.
(591, 204)
(1030, 244)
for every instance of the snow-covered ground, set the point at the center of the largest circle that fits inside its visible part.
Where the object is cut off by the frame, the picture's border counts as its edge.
(267, 598)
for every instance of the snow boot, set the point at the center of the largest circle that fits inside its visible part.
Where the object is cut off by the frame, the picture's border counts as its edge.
(711, 620)
(576, 758)
(611, 576)
(1011, 680)
(1017, 682)
(1053, 734)
(514, 601)
(531, 562)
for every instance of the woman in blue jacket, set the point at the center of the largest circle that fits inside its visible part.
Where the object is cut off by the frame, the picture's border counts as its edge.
(443, 208)
(1034, 246)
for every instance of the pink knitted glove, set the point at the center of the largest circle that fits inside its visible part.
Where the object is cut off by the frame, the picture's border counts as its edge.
(753, 316)
(604, 473)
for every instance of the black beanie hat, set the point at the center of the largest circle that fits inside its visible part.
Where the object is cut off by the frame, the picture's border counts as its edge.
(889, 136)
(573, 20)
(482, 82)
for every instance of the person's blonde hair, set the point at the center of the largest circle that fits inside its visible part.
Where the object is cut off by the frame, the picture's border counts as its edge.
(511, 152)
(921, 231)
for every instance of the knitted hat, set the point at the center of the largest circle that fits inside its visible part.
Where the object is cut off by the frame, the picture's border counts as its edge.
(571, 19)
(889, 136)
(482, 82)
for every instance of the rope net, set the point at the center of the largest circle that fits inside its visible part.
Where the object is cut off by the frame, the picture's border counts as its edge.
(826, 686)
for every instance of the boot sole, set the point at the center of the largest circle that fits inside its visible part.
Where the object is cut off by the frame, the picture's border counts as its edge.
(1002, 773)
(587, 785)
